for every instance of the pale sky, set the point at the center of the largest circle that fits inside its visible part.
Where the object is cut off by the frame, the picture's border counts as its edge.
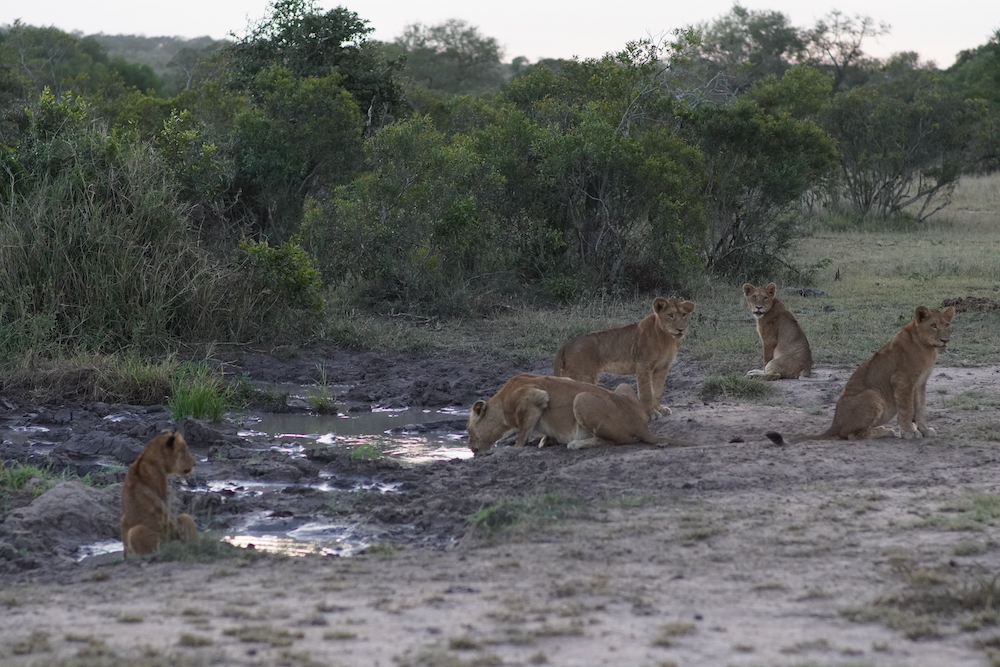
(536, 29)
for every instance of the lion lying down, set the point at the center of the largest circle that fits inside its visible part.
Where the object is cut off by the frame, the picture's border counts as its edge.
(892, 383)
(578, 414)
(146, 519)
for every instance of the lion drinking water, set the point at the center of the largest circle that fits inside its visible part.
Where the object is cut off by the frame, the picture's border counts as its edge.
(146, 519)
(893, 381)
(578, 414)
(645, 349)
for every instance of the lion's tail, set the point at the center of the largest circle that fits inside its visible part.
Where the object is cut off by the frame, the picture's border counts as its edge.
(778, 439)
(674, 442)
(559, 363)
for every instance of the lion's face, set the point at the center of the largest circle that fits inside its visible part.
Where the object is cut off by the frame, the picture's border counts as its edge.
(760, 299)
(174, 453)
(933, 327)
(485, 427)
(672, 316)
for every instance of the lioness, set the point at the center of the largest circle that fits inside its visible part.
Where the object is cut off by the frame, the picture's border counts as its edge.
(579, 414)
(644, 349)
(786, 350)
(893, 380)
(146, 519)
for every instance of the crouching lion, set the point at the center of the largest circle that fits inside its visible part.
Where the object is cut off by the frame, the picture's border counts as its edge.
(146, 519)
(786, 349)
(892, 382)
(645, 349)
(578, 414)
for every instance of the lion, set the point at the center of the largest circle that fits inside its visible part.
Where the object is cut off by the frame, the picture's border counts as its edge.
(645, 349)
(892, 382)
(578, 414)
(146, 519)
(786, 349)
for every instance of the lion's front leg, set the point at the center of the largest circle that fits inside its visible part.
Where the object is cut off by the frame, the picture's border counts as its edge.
(920, 413)
(906, 410)
(650, 384)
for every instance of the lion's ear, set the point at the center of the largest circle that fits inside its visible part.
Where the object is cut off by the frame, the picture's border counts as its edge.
(921, 313)
(948, 313)
(771, 289)
(659, 304)
(170, 441)
(686, 306)
(747, 288)
(479, 408)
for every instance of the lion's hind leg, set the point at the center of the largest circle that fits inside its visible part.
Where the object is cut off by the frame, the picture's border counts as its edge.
(185, 529)
(861, 416)
(141, 539)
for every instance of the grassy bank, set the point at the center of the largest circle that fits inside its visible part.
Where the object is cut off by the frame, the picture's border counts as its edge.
(872, 276)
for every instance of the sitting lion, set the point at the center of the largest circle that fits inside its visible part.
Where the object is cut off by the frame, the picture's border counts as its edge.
(644, 349)
(893, 381)
(578, 414)
(786, 350)
(146, 519)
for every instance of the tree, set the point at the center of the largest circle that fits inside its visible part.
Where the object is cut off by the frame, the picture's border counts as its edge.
(452, 57)
(901, 144)
(297, 37)
(745, 46)
(758, 166)
(835, 44)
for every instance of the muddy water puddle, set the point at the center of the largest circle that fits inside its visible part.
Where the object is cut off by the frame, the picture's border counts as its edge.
(413, 436)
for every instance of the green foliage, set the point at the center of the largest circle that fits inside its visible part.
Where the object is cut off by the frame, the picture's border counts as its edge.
(284, 273)
(412, 227)
(301, 134)
(524, 513)
(195, 162)
(452, 57)
(900, 144)
(758, 165)
(198, 391)
(309, 44)
(735, 388)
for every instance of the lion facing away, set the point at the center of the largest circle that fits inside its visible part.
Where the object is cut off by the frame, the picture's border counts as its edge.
(786, 349)
(146, 519)
(892, 382)
(578, 414)
(645, 349)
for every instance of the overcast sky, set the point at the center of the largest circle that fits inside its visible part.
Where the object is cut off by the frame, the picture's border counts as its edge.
(533, 28)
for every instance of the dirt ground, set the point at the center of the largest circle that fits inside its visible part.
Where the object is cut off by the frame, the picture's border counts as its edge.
(733, 552)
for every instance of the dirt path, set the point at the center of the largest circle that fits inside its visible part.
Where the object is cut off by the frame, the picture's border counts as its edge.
(737, 552)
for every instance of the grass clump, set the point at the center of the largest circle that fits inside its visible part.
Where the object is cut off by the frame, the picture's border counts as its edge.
(525, 513)
(199, 391)
(735, 387)
(208, 549)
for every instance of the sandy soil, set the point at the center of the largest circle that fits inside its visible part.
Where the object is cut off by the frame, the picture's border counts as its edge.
(734, 552)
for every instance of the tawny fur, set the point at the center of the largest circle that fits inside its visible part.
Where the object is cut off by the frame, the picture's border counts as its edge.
(146, 520)
(578, 414)
(645, 349)
(892, 383)
(786, 349)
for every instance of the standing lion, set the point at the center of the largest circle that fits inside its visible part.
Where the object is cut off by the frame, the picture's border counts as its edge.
(645, 349)
(146, 520)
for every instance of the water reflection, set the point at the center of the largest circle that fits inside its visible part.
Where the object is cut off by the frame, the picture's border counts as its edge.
(416, 435)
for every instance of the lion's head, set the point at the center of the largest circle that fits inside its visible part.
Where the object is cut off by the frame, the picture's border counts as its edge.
(933, 327)
(486, 426)
(672, 316)
(173, 453)
(760, 299)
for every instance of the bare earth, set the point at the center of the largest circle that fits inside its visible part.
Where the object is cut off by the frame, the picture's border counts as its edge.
(733, 552)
